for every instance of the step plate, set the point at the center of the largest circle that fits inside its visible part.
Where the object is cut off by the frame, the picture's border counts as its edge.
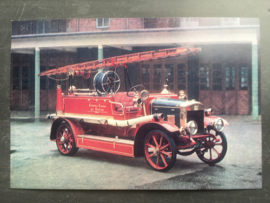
(106, 144)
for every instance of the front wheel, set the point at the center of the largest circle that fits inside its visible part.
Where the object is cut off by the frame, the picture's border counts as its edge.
(211, 151)
(65, 140)
(159, 150)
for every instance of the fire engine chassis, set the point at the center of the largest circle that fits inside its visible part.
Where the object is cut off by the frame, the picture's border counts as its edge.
(134, 123)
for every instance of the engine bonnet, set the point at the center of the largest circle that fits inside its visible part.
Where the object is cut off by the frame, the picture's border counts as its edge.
(179, 112)
(177, 103)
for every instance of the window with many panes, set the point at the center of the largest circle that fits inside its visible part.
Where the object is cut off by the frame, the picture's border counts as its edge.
(20, 78)
(25, 77)
(230, 77)
(62, 81)
(243, 77)
(217, 76)
(204, 76)
(38, 27)
(169, 74)
(181, 76)
(146, 76)
(58, 26)
(157, 70)
(49, 26)
(42, 78)
(52, 82)
(25, 27)
(103, 22)
(16, 78)
(42, 26)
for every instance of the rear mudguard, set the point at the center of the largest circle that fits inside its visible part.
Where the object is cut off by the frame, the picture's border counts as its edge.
(211, 119)
(73, 123)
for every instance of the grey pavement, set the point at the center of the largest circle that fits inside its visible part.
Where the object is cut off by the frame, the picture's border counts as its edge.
(28, 114)
(37, 164)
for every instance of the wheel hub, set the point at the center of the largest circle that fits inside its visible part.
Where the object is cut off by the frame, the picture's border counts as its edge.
(157, 150)
(63, 139)
(210, 144)
(110, 82)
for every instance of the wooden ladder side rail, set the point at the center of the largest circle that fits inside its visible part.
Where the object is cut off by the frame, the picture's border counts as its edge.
(124, 60)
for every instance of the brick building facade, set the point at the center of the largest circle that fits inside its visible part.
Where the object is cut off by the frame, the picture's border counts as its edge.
(225, 75)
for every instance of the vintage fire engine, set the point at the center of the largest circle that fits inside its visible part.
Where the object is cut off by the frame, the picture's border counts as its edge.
(134, 123)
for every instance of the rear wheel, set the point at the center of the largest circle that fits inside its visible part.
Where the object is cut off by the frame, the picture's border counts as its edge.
(65, 140)
(213, 151)
(159, 150)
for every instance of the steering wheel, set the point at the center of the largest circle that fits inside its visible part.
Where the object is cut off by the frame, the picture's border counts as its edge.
(135, 88)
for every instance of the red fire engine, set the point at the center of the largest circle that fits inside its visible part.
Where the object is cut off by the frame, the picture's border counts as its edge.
(134, 123)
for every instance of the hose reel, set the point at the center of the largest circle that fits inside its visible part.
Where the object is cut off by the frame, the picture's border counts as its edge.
(107, 81)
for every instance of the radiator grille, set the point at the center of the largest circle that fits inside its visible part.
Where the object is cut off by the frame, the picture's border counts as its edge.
(198, 117)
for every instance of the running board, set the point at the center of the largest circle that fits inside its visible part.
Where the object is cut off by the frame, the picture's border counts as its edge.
(106, 144)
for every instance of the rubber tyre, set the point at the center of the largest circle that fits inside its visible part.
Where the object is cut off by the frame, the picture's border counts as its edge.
(166, 156)
(68, 146)
(223, 143)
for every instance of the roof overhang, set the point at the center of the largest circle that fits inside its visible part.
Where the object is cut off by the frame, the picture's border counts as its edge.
(142, 37)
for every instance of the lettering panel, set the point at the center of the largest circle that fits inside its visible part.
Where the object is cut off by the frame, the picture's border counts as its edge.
(87, 106)
(98, 107)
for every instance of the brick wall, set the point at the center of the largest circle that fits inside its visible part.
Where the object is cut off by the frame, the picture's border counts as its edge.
(72, 25)
(135, 23)
(89, 24)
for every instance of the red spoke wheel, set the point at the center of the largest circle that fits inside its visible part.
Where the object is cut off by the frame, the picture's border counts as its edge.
(65, 140)
(159, 150)
(213, 151)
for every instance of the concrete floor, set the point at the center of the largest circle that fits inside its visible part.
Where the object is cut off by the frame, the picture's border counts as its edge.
(36, 163)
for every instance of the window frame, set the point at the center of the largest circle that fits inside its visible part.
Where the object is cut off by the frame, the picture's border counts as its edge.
(217, 67)
(40, 24)
(181, 67)
(240, 76)
(103, 26)
(169, 67)
(204, 67)
(147, 67)
(157, 66)
(16, 82)
(25, 78)
(231, 77)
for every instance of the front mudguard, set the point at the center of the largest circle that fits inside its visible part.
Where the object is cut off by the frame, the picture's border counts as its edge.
(140, 135)
(165, 126)
(209, 120)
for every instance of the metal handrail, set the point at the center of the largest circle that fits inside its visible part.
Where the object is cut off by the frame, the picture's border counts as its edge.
(116, 111)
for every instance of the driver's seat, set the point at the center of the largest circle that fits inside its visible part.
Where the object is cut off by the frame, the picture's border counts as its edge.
(121, 97)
